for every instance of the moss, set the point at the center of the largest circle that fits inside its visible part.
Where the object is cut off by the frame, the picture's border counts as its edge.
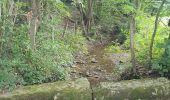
(147, 89)
(66, 90)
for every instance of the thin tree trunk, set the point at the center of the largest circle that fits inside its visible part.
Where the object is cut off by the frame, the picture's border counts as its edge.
(82, 20)
(65, 28)
(52, 34)
(154, 33)
(75, 27)
(132, 48)
(34, 24)
(0, 29)
(166, 49)
(136, 4)
(11, 3)
(3, 12)
(84, 27)
(89, 15)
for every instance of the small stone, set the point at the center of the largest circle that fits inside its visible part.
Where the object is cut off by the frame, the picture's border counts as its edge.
(94, 60)
(73, 71)
(120, 62)
(73, 66)
(99, 69)
(88, 74)
(80, 62)
(95, 73)
(96, 76)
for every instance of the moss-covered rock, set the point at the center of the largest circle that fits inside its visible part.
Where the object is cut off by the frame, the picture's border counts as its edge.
(65, 90)
(146, 89)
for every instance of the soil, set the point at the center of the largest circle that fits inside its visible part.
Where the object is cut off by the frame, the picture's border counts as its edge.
(96, 66)
(99, 66)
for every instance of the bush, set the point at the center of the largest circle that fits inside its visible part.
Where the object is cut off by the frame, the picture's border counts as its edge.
(8, 76)
(113, 13)
(76, 43)
(19, 64)
(45, 64)
(115, 48)
(8, 80)
(146, 27)
(162, 65)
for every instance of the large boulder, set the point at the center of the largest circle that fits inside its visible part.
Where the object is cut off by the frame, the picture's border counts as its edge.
(65, 90)
(146, 89)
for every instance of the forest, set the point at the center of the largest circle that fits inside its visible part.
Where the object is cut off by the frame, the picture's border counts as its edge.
(46, 41)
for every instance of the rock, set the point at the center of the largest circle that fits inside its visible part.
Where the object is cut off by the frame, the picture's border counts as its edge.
(80, 73)
(120, 61)
(95, 73)
(96, 76)
(61, 90)
(99, 69)
(145, 89)
(108, 77)
(93, 60)
(80, 61)
(88, 74)
(73, 66)
(73, 71)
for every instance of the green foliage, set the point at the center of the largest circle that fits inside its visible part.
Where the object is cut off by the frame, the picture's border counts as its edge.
(114, 12)
(76, 42)
(22, 66)
(123, 68)
(8, 78)
(145, 27)
(115, 48)
(160, 68)
(162, 65)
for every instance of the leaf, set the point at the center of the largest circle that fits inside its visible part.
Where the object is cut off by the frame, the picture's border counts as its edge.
(165, 70)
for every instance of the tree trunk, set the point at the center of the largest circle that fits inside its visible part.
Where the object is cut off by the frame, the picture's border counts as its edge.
(11, 3)
(166, 54)
(136, 4)
(132, 48)
(86, 16)
(52, 34)
(83, 20)
(65, 28)
(34, 23)
(154, 33)
(0, 28)
(75, 27)
(89, 15)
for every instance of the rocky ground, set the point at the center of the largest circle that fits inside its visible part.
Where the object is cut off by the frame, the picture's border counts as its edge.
(97, 66)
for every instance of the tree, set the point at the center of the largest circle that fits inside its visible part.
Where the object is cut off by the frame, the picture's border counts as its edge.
(0, 27)
(30, 58)
(136, 4)
(86, 14)
(89, 15)
(154, 33)
(132, 48)
(34, 22)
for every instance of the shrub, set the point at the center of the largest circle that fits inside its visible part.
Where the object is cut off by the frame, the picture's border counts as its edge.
(45, 64)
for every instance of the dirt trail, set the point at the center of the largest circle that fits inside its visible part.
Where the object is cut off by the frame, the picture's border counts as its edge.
(96, 66)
